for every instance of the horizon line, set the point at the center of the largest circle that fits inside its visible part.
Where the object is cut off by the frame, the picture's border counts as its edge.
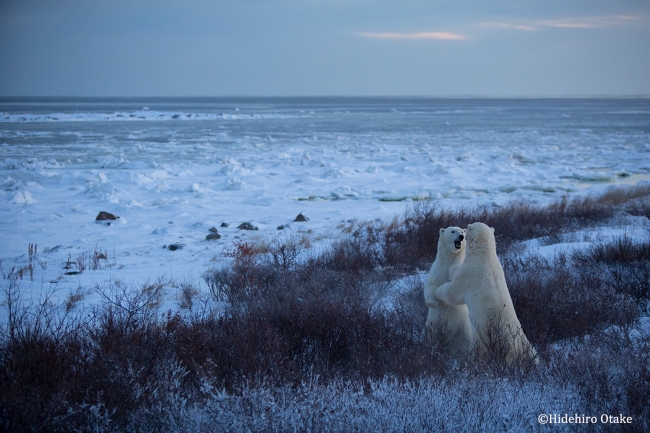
(465, 96)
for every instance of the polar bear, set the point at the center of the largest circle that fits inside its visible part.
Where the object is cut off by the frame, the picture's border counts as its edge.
(480, 284)
(447, 324)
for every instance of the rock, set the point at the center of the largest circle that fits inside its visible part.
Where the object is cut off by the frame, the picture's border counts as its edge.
(246, 226)
(214, 235)
(301, 218)
(176, 116)
(106, 218)
(174, 247)
(280, 227)
(224, 224)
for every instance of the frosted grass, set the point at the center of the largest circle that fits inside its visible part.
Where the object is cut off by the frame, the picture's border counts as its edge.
(464, 404)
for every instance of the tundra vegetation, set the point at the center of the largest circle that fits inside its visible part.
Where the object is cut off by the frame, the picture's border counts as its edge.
(286, 338)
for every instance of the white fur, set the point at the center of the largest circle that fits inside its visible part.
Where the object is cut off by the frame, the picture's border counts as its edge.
(480, 284)
(447, 324)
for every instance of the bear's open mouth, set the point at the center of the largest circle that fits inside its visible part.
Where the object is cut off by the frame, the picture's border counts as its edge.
(457, 244)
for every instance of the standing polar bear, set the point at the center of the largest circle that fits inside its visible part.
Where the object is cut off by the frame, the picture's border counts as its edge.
(481, 285)
(447, 324)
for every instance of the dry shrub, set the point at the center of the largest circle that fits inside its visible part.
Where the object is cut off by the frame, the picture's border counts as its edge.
(635, 199)
(498, 349)
(555, 299)
(611, 372)
(414, 242)
(411, 304)
(293, 316)
(287, 320)
(624, 264)
(639, 208)
(620, 194)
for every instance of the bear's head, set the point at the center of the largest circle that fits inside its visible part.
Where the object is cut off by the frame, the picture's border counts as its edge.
(452, 239)
(480, 236)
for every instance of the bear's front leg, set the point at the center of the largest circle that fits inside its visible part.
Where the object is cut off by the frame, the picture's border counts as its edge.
(430, 298)
(450, 294)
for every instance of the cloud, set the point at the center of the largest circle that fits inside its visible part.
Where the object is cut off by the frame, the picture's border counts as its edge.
(568, 23)
(441, 36)
(594, 22)
(590, 22)
(508, 26)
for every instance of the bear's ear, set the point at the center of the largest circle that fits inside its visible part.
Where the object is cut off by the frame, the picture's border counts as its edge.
(442, 231)
(492, 228)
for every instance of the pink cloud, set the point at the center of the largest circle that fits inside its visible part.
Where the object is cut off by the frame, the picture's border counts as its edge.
(597, 22)
(442, 36)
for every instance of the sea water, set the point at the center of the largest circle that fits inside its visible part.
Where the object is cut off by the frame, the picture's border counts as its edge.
(174, 168)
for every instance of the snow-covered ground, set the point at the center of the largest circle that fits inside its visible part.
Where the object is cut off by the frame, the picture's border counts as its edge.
(173, 170)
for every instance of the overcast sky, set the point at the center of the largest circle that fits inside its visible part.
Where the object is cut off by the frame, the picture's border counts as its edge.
(324, 47)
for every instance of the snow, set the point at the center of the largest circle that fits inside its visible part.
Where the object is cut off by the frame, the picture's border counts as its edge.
(171, 179)
(632, 228)
(386, 405)
(171, 173)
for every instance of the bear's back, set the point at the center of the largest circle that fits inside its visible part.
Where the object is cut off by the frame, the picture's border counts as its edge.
(488, 297)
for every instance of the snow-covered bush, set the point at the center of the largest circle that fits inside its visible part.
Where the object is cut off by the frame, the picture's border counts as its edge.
(300, 344)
